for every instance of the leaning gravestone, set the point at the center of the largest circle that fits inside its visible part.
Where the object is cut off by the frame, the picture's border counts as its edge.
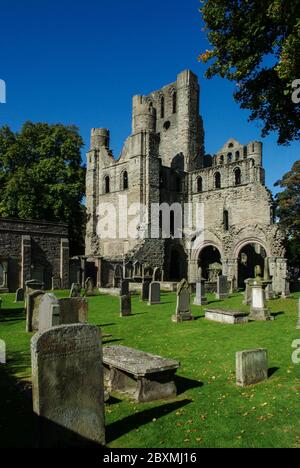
(124, 288)
(154, 293)
(75, 290)
(125, 306)
(183, 309)
(145, 291)
(49, 312)
(222, 287)
(251, 367)
(19, 295)
(73, 310)
(33, 310)
(67, 387)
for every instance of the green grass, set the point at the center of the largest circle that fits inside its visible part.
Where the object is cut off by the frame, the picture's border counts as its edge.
(210, 410)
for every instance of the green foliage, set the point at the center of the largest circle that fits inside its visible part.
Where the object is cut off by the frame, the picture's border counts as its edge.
(42, 177)
(209, 411)
(257, 44)
(288, 210)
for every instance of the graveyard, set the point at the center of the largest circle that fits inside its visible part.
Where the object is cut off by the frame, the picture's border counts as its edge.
(210, 409)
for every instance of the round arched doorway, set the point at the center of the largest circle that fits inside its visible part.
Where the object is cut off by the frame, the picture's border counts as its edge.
(178, 264)
(250, 256)
(210, 262)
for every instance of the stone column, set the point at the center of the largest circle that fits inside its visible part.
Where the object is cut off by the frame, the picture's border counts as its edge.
(26, 260)
(193, 271)
(64, 263)
(99, 273)
(83, 270)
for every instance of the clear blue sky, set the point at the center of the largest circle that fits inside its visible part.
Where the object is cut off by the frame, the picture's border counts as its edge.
(80, 62)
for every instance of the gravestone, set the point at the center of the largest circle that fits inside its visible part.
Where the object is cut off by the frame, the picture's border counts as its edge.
(154, 293)
(32, 310)
(73, 310)
(125, 306)
(230, 317)
(124, 288)
(298, 324)
(89, 287)
(259, 310)
(19, 295)
(222, 287)
(56, 283)
(2, 352)
(75, 290)
(248, 292)
(67, 387)
(200, 298)
(49, 312)
(145, 291)
(251, 367)
(183, 309)
(34, 285)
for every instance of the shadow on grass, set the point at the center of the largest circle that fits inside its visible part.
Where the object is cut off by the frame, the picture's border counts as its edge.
(272, 371)
(106, 342)
(113, 401)
(119, 428)
(106, 325)
(12, 315)
(183, 384)
(277, 314)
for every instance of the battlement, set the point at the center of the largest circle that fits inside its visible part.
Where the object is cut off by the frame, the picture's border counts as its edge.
(233, 151)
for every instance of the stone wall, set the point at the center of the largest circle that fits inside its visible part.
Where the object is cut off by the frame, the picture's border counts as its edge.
(34, 250)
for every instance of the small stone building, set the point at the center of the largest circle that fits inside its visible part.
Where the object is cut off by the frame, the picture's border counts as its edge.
(33, 250)
(164, 162)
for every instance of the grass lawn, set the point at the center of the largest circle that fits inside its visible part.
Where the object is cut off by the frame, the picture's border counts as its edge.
(210, 410)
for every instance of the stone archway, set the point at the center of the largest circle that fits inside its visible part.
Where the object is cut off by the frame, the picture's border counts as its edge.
(178, 264)
(208, 259)
(249, 255)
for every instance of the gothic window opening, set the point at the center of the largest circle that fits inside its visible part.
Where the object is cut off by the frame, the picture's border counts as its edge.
(178, 185)
(162, 107)
(226, 220)
(125, 180)
(174, 102)
(218, 180)
(237, 177)
(199, 185)
(107, 184)
(237, 156)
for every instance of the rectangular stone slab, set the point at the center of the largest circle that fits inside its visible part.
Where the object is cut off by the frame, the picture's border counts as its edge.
(251, 367)
(231, 317)
(141, 376)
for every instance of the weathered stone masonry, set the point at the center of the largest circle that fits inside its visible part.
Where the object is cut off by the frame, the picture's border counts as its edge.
(164, 161)
(33, 250)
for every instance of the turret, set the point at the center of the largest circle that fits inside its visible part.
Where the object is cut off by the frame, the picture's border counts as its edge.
(254, 151)
(143, 115)
(99, 138)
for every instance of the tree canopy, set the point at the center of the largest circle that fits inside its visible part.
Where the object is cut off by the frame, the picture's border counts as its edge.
(257, 44)
(42, 176)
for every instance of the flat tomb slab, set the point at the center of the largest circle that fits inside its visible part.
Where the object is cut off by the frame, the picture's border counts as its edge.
(142, 376)
(231, 317)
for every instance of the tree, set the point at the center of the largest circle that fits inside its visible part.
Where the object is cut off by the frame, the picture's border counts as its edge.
(42, 176)
(288, 210)
(257, 44)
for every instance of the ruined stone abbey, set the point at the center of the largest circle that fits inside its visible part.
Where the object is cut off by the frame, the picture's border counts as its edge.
(164, 161)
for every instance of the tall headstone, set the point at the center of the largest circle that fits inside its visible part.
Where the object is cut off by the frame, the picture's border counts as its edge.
(251, 367)
(49, 312)
(89, 287)
(125, 306)
(67, 387)
(222, 287)
(200, 298)
(75, 290)
(154, 293)
(183, 309)
(2, 352)
(145, 291)
(20, 295)
(56, 283)
(298, 324)
(33, 310)
(124, 287)
(259, 310)
(34, 285)
(248, 292)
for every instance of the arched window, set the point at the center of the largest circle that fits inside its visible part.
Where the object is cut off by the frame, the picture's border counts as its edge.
(217, 180)
(222, 159)
(199, 185)
(237, 176)
(178, 184)
(125, 180)
(226, 220)
(237, 156)
(174, 97)
(107, 184)
(229, 157)
(162, 107)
